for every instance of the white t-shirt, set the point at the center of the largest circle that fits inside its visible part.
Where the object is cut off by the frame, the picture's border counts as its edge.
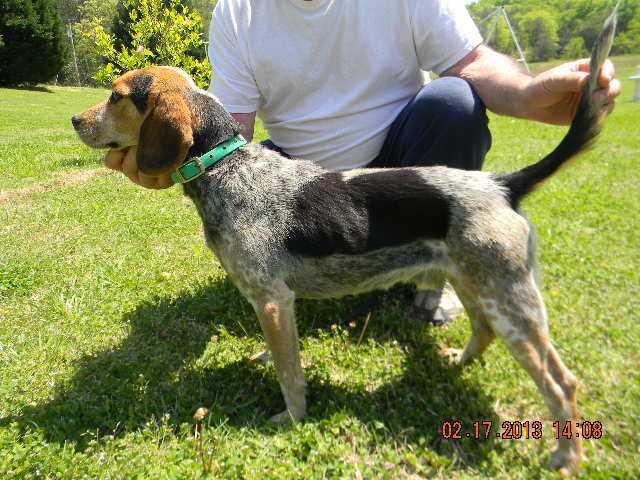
(327, 77)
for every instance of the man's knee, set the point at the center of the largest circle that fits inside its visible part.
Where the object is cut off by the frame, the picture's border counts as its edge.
(444, 124)
(458, 120)
(453, 103)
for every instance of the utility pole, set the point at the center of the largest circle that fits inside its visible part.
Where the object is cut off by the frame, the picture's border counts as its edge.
(495, 16)
(515, 38)
(73, 50)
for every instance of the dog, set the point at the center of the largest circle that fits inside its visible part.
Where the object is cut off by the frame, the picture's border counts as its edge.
(285, 228)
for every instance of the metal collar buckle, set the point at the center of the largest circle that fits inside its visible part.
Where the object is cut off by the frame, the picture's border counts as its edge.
(198, 161)
(194, 161)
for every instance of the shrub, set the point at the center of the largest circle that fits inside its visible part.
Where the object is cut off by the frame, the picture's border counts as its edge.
(540, 32)
(32, 48)
(160, 35)
(576, 49)
(629, 41)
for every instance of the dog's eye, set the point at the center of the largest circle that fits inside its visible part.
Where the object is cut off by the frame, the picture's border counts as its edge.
(115, 96)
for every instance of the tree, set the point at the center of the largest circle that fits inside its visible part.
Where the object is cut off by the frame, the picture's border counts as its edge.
(205, 9)
(576, 49)
(160, 35)
(540, 32)
(69, 10)
(121, 23)
(89, 15)
(629, 41)
(497, 35)
(32, 49)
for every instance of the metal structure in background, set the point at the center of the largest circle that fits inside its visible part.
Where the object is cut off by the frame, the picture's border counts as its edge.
(73, 51)
(636, 77)
(498, 13)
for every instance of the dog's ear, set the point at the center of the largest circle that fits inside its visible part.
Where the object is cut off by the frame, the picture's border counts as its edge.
(166, 135)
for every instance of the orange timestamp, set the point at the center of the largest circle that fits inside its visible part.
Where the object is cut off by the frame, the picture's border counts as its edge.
(519, 430)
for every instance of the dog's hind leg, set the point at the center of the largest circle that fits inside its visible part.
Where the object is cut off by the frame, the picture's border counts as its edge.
(481, 333)
(520, 320)
(276, 312)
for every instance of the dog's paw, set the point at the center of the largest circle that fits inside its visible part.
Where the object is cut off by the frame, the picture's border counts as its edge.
(285, 418)
(452, 355)
(263, 357)
(566, 462)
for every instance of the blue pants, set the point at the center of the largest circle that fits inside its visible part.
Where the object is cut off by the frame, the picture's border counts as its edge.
(444, 124)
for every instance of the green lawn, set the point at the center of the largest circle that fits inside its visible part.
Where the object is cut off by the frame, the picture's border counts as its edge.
(117, 323)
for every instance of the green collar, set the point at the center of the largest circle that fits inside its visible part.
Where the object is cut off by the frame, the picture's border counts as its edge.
(196, 166)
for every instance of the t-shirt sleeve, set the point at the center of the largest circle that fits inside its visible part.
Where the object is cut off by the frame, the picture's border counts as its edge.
(443, 32)
(232, 79)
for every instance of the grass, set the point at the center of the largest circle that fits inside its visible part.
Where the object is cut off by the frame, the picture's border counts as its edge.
(117, 323)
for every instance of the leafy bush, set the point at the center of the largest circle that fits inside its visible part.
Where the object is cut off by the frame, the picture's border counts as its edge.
(576, 48)
(32, 47)
(121, 20)
(629, 41)
(540, 31)
(160, 35)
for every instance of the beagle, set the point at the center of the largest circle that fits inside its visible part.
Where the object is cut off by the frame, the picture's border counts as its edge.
(285, 228)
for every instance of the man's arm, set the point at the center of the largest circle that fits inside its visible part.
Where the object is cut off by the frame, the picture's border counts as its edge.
(550, 97)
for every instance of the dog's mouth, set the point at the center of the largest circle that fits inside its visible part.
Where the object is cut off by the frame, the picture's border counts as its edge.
(89, 140)
(90, 134)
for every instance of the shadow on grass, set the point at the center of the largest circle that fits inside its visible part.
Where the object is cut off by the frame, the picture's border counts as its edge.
(150, 374)
(33, 88)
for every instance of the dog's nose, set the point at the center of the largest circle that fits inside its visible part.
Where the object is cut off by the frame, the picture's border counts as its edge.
(76, 120)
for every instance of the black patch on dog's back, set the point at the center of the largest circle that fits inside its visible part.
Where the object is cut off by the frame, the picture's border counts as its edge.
(367, 212)
(140, 87)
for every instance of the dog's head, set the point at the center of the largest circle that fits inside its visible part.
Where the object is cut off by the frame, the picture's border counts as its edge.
(151, 108)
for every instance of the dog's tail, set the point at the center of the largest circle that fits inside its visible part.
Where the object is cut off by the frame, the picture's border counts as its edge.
(584, 129)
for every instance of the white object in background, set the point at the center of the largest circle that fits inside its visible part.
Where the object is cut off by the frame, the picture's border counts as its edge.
(636, 77)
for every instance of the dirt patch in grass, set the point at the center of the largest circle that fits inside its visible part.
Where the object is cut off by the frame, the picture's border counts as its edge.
(60, 180)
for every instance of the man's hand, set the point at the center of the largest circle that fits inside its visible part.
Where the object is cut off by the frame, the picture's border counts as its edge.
(553, 96)
(125, 161)
(550, 97)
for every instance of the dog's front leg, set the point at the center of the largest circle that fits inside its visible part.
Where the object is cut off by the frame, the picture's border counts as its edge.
(276, 313)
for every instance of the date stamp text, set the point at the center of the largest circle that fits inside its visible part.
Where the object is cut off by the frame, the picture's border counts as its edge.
(519, 430)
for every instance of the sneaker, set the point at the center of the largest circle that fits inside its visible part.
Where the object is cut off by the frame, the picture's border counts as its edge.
(450, 302)
(437, 307)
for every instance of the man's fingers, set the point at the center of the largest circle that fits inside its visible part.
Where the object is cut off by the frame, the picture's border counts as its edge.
(607, 73)
(133, 176)
(610, 92)
(129, 164)
(147, 182)
(125, 161)
(615, 89)
(608, 95)
(564, 82)
(163, 181)
(581, 65)
(114, 158)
